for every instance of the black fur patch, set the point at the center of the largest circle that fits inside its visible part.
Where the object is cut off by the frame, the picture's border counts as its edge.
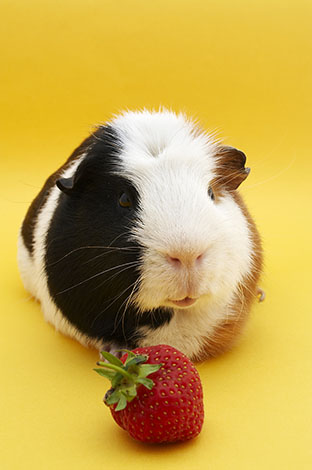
(92, 264)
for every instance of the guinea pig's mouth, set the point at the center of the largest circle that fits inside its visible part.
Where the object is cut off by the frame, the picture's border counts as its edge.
(186, 302)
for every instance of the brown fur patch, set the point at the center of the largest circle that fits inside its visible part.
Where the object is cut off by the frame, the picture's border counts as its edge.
(226, 334)
(231, 171)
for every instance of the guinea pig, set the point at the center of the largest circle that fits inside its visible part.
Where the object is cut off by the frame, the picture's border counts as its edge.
(141, 238)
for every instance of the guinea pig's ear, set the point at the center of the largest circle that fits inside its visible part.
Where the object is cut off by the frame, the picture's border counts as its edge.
(82, 177)
(65, 184)
(231, 167)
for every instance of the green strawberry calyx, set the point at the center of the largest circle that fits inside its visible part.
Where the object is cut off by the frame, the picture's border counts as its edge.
(125, 377)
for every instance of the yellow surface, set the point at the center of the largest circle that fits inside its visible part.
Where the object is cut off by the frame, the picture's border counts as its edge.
(243, 67)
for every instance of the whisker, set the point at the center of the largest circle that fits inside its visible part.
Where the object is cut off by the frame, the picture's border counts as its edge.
(274, 176)
(97, 247)
(127, 302)
(226, 179)
(93, 277)
(92, 247)
(135, 264)
(133, 249)
(114, 300)
(117, 237)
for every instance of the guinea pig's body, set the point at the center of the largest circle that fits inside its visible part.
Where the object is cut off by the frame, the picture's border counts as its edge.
(141, 238)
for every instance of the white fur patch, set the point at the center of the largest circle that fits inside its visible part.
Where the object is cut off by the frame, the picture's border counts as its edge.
(176, 214)
(172, 164)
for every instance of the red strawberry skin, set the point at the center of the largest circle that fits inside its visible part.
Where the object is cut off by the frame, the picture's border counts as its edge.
(173, 410)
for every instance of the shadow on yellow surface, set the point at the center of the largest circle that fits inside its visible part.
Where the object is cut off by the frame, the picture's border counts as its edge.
(241, 67)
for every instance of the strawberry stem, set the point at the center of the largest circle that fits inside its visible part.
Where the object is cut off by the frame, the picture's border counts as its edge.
(125, 377)
(117, 369)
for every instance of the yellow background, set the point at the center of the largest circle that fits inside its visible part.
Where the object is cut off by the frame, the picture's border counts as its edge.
(242, 67)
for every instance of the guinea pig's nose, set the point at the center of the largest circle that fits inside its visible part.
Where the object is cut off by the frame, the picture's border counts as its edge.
(184, 259)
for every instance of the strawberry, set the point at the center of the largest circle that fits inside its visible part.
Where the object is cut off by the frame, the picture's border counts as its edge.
(167, 406)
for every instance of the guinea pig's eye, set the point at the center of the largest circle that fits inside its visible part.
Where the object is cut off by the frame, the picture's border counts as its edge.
(124, 200)
(211, 194)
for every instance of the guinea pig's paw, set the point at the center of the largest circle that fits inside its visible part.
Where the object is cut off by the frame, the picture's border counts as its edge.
(260, 294)
(116, 350)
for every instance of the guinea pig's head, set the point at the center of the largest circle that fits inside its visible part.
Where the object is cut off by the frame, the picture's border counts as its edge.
(169, 193)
